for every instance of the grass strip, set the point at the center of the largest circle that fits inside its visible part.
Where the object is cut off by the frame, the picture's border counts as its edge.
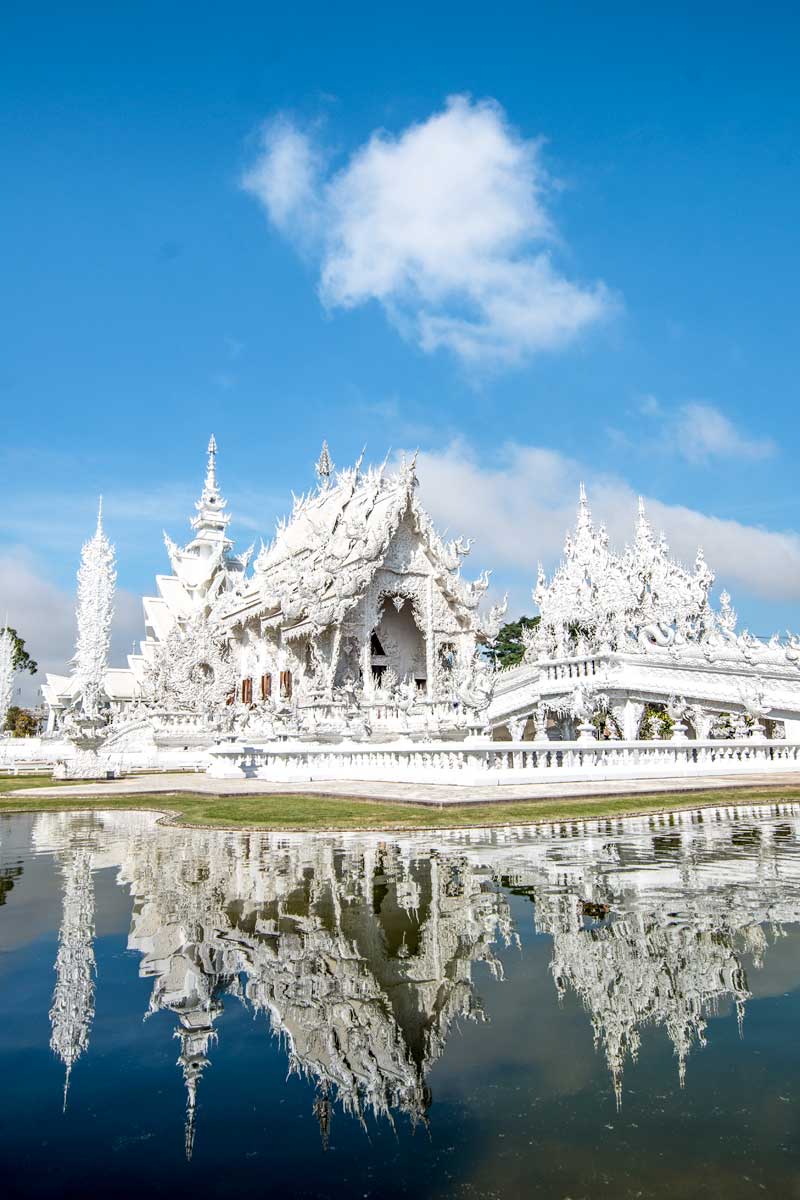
(324, 813)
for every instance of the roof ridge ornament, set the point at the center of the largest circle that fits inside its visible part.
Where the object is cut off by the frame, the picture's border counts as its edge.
(324, 466)
(584, 512)
(210, 485)
(408, 470)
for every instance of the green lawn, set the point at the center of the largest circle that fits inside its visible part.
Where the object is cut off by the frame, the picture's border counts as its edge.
(322, 813)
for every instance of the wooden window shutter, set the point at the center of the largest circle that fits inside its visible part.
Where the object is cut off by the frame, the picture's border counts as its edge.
(286, 684)
(266, 686)
(247, 691)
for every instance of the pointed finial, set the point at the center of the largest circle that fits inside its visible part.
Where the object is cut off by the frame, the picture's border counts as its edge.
(210, 488)
(324, 466)
(408, 470)
(641, 507)
(584, 515)
(100, 515)
(66, 1086)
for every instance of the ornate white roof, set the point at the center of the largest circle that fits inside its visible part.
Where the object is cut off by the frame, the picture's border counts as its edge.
(643, 595)
(324, 556)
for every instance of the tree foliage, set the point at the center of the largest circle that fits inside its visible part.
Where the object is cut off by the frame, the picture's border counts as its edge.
(20, 722)
(509, 647)
(22, 659)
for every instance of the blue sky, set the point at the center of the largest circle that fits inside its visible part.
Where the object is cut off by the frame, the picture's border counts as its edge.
(646, 154)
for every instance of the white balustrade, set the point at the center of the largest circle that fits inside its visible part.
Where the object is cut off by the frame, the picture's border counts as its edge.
(500, 762)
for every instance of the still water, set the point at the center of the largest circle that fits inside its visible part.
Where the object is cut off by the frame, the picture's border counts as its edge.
(600, 1009)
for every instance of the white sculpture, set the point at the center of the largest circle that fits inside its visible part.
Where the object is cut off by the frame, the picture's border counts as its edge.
(96, 581)
(6, 675)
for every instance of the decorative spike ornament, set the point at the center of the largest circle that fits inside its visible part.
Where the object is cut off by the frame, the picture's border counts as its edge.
(324, 466)
(97, 578)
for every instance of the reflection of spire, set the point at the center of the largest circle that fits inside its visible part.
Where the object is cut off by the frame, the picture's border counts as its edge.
(73, 999)
(196, 1032)
(323, 1111)
(635, 972)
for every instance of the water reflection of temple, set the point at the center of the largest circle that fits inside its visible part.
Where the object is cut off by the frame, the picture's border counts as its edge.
(360, 961)
(360, 953)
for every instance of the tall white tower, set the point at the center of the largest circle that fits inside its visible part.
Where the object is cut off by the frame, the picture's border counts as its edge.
(97, 578)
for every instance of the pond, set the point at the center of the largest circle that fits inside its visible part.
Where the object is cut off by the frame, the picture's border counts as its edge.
(605, 1008)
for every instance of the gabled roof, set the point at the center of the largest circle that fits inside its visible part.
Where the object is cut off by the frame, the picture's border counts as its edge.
(324, 556)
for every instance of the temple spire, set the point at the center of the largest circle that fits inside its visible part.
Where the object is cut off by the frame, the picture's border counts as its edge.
(584, 512)
(95, 609)
(211, 516)
(644, 541)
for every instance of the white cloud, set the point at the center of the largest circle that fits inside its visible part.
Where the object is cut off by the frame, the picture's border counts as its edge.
(44, 615)
(703, 432)
(695, 431)
(445, 225)
(285, 177)
(519, 511)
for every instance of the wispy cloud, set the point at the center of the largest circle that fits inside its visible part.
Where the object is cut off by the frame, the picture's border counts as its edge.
(703, 432)
(696, 431)
(446, 225)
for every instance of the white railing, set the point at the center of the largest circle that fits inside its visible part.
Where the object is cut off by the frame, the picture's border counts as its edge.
(501, 762)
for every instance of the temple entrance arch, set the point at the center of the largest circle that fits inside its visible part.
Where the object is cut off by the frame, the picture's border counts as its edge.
(398, 642)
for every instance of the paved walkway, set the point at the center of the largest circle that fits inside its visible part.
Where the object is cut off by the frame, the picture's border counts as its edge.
(411, 793)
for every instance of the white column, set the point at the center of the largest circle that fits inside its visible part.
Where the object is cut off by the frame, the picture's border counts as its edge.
(430, 649)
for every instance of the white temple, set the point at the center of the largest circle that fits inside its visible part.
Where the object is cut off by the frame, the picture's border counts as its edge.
(355, 619)
(352, 646)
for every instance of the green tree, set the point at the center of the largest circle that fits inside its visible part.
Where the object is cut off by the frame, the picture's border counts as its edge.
(509, 647)
(20, 722)
(655, 721)
(22, 659)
